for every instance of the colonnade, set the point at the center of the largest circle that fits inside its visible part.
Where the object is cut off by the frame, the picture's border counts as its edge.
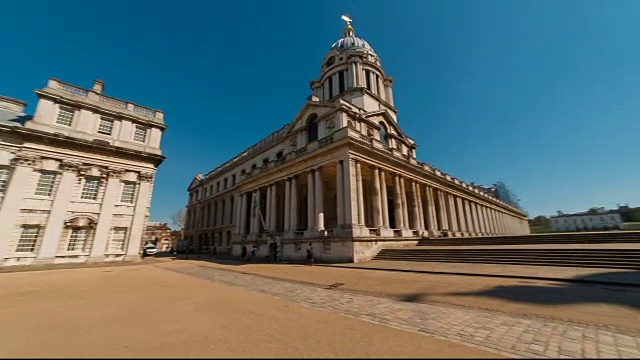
(366, 200)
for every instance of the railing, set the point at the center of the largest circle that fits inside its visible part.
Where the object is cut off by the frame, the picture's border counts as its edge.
(73, 90)
(144, 111)
(112, 101)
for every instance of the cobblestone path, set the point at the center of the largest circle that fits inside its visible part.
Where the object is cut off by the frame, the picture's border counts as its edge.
(508, 335)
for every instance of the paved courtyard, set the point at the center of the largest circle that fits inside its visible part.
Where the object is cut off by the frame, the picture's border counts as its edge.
(191, 309)
(146, 311)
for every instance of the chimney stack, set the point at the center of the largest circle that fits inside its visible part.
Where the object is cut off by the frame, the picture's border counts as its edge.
(98, 86)
(10, 104)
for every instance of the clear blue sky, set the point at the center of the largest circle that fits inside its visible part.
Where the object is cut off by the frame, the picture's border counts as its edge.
(543, 95)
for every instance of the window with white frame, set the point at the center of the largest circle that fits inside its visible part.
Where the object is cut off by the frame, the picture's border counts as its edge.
(90, 188)
(28, 239)
(65, 116)
(118, 239)
(45, 184)
(105, 127)
(5, 172)
(128, 192)
(78, 239)
(140, 134)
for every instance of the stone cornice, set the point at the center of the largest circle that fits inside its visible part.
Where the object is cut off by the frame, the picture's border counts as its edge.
(39, 136)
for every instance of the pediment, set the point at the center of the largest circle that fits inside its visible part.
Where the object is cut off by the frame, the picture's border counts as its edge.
(375, 116)
(195, 182)
(319, 108)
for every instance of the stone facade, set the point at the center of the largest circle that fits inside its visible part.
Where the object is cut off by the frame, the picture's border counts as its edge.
(76, 177)
(342, 176)
(602, 220)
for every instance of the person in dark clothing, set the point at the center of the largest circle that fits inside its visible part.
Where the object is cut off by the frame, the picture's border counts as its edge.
(275, 251)
(243, 254)
(310, 254)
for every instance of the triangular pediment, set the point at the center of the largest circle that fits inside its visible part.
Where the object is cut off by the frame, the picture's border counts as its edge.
(195, 182)
(388, 119)
(319, 108)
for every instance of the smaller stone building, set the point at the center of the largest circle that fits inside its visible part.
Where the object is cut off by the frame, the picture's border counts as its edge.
(602, 220)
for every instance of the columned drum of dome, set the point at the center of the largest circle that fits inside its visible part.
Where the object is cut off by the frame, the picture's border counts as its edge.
(341, 175)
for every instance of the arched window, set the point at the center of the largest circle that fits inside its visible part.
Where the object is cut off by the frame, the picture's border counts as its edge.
(384, 134)
(312, 128)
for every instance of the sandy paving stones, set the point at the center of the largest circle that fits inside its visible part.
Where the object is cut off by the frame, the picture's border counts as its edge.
(507, 334)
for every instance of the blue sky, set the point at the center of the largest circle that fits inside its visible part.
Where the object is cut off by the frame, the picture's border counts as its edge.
(543, 95)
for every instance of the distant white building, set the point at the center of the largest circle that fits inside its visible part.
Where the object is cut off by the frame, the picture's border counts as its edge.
(602, 220)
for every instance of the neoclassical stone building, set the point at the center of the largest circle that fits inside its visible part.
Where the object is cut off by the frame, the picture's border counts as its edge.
(76, 177)
(341, 175)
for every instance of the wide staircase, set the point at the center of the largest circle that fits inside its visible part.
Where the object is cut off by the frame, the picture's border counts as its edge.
(615, 250)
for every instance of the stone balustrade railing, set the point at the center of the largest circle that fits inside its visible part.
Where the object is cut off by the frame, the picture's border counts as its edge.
(107, 100)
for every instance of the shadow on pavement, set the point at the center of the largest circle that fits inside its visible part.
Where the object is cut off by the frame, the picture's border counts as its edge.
(570, 293)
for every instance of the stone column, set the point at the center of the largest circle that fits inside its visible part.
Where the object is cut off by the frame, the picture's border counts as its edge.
(274, 208)
(351, 194)
(420, 209)
(267, 216)
(319, 200)
(383, 200)
(491, 222)
(139, 215)
(444, 222)
(339, 194)
(311, 205)
(360, 194)
(471, 228)
(494, 217)
(415, 214)
(376, 198)
(453, 221)
(474, 217)
(287, 205)
(252, 212)
(398, 202)
(241, 215)
(485, 213)
(431, 215)
(293, 222)
(405, 208)
(55, 224)
(461, 216)
(483, 219)
(237, 208)
(111, 196)
(483, 226)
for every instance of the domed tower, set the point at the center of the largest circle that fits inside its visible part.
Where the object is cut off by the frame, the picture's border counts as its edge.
(352, 71)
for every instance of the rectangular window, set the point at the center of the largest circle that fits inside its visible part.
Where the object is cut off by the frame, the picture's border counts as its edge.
(377, 83)
(4, 178)
(90, 189)
(65, 116)
(341, 85)
(367, 79)
(224, 187)
(77, 239)
(118, 238)
(128, 192)
(28, 239)
(140, 134)
(45, 184)
(330, 85)
(233, 179)
(106, 127)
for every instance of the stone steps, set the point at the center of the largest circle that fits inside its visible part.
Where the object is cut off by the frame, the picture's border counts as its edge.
(559, 238)
(615, 250)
